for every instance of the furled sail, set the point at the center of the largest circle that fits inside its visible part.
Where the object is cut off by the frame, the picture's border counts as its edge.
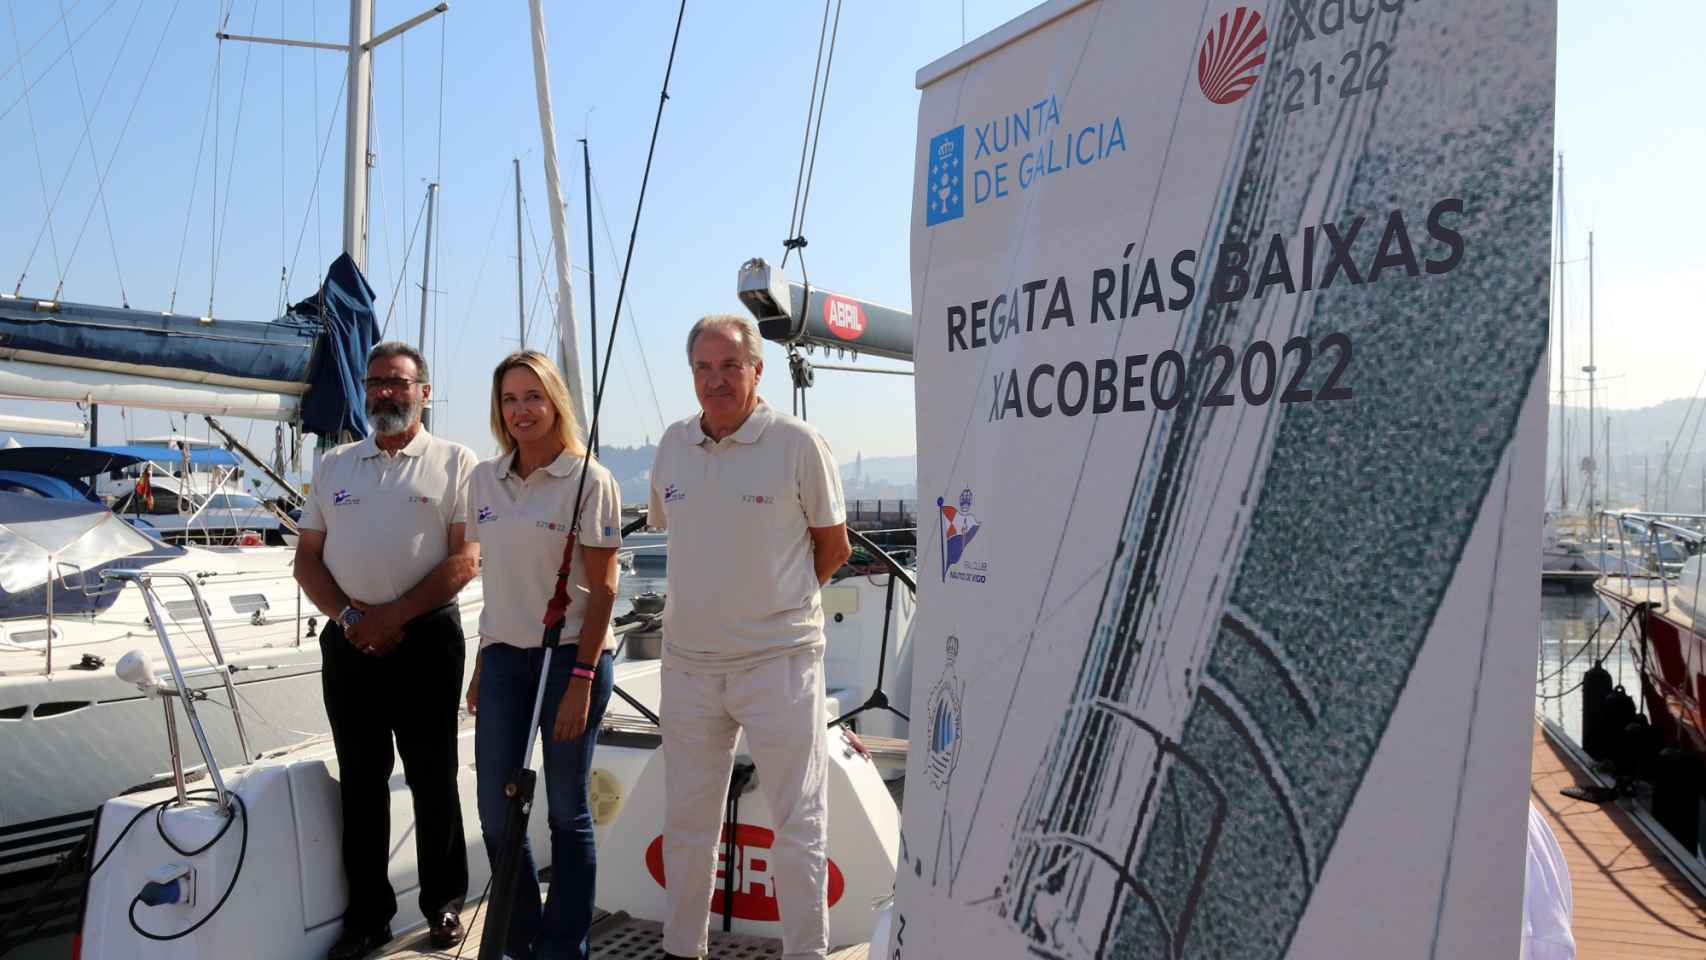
(298, 367)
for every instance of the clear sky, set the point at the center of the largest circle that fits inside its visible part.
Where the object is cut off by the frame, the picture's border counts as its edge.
(721, 185)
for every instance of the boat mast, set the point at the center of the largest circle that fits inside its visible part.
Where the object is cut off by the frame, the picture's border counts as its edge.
(568, 342)
(1587, 461)
(426, 278)
(1606, 500)
(591, 276)
(1563, 437)
(520, 286)
(358, 160)
(358, 87)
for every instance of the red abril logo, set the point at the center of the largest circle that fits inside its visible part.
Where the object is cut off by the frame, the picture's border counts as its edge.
(1230, 54)
(755, 886)
(844, 317)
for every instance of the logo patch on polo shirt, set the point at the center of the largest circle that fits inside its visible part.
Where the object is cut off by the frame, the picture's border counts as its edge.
(342, 498)
(672, 494)
(608, 531)
(416, 498)
(551, 525)
(485, 515)
(759, 498)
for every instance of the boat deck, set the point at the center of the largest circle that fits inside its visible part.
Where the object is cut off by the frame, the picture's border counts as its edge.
(614, 935)
(1630, 902)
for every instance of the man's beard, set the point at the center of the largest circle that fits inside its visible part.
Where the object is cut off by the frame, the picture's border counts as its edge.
(390, 418)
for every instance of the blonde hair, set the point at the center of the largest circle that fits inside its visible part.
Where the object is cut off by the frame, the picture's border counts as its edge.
(556, 391)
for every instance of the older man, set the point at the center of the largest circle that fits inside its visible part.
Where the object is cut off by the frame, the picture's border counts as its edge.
(383, 555)
(752, 501)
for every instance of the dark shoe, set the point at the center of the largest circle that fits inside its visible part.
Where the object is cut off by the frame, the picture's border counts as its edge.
(358, 943)
(447, 930)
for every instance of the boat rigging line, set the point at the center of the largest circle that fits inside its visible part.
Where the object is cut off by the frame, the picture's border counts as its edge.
(633, 328)
(219, 213)
(89, 136)
(799, 369)
(49, 69)
(59, 192)
(22, 53)
(35, 141)
(408, 247)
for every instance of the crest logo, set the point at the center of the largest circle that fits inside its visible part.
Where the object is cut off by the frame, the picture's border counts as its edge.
(343, 498)
(944, 186)
(485, 515)
(1230, 54)
(958, 526)
(943, 746)
(671, 494)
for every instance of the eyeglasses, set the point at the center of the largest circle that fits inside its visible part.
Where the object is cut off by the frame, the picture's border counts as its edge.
(389, 383)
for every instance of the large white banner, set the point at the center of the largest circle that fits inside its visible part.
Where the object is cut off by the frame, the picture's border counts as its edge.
(1231, 326)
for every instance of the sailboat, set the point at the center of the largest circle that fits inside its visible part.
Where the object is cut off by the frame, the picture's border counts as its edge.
(283, 807)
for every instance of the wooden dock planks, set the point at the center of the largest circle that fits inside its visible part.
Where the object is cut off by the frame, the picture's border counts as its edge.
(1629, 901)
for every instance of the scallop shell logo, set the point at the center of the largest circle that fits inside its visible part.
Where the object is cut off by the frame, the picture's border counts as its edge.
(1233, 49)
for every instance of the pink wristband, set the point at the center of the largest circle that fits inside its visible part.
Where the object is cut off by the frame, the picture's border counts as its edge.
(583, 673)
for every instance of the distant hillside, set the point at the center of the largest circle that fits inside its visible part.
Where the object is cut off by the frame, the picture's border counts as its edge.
(1640, 439)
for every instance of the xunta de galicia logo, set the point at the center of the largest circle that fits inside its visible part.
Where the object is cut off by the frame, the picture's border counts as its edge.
(1231, 53)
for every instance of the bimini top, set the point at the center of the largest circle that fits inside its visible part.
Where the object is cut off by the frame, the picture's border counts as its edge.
(91, 461)
(64, 540)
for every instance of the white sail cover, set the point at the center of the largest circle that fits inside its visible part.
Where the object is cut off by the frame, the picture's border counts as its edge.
(568, 350)
(1231, 327)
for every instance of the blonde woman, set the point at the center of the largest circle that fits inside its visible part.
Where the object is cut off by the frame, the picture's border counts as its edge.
(521, 507)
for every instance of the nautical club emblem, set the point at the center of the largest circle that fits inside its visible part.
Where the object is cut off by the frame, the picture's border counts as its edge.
(957, 526)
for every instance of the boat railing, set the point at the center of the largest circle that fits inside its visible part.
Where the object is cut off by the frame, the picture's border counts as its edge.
(1650, 531)
(142, 675)
(878, 700)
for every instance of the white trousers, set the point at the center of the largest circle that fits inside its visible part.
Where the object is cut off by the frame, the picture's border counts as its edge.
(780, 704)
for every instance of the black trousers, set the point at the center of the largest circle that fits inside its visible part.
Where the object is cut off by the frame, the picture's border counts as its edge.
(411, 694)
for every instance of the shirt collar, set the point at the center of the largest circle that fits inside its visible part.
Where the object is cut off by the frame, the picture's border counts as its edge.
(748, 432)
(369, 447)
(565, 465)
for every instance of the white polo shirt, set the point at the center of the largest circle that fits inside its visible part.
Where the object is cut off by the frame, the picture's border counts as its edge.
(521, 526)
(742, 584)
(386, 516)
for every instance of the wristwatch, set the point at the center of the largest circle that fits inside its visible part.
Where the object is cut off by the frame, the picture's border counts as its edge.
(348, 616)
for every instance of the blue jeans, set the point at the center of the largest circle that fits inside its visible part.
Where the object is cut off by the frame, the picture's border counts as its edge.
(509, 677)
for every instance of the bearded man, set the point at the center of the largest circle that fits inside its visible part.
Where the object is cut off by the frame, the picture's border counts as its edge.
(383, 555)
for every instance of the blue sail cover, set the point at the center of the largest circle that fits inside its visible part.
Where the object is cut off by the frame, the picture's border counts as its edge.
(335, 405)
(270, 357)
(318, 348)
